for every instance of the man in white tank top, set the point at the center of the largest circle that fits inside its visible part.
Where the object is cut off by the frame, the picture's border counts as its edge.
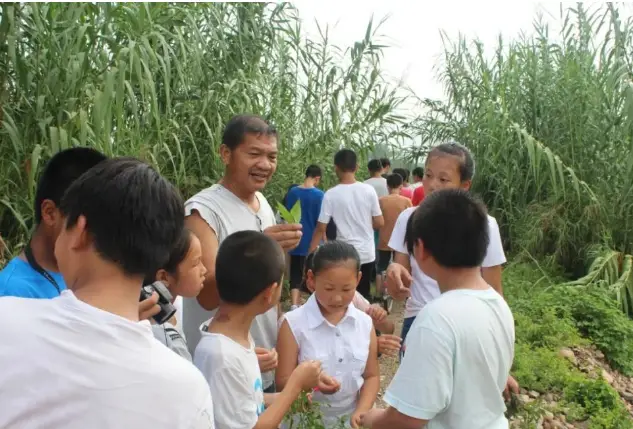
(235, 203)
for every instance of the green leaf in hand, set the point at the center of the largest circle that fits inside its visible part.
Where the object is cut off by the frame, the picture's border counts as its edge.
(292, 216)
(296, 212)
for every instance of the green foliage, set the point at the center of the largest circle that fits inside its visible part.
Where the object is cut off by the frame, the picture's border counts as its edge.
(549, 118)
(159, 81)
(290, 216)
(549, 317)
(599, 403)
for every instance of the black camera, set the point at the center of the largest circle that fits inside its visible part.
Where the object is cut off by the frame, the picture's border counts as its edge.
(167, 309)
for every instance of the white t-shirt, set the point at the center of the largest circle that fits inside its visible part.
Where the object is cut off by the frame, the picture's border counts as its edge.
(232, 372)
(459, 353)
(342, 349)
(423, 288)
(379, 184)
(352, 206)
(68, 365)
(225, 214)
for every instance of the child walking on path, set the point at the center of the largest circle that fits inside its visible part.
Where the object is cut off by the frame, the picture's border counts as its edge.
(249, 273)
(332, 330)
(461, 345)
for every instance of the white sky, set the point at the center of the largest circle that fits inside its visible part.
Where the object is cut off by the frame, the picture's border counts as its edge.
(413, 29)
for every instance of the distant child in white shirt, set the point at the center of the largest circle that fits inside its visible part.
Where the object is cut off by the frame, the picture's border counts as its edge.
(330, 329)
(183, 275)
(387, 342)
(249, 273)
(461, 345)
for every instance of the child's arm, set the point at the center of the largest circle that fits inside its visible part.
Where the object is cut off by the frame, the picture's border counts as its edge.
(381, 321)
(371, 386)
(305, 377)
(288, 355)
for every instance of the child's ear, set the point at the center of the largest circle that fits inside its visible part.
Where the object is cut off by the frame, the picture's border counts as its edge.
(465, 185)
(163, 276)
(310, 281)
(272, 293)
(358, 277)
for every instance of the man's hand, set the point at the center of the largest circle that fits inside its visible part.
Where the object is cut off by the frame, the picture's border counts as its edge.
(511, 387)
(328, 385)
(377, 313)
(148, 307)
(389, 344)
(398, 281)
(287, 235)
(267, 359)
(367, 419)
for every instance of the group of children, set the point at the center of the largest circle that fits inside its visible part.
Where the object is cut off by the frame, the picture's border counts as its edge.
(330, 345)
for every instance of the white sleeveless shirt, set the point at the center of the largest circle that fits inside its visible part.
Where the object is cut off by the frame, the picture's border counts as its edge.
(342, 349)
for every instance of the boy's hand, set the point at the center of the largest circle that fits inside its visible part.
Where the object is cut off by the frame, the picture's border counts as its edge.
(511, 387)
(307, 374)
(287, 235)
(398, 281)
(389, 344)
(377, 313)
(355, 419)
(367, 419)
(267, 359)
(328, 385)
(148, 307)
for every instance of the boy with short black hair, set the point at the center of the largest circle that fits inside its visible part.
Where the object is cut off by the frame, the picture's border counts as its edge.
(40, 278)
(310, 197)
(461, 346)
(376, 179)
(391, 206)
(121, 220)
(355, 209)
(249, 276)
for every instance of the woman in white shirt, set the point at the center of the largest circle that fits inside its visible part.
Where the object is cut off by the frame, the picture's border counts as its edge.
(330, 329)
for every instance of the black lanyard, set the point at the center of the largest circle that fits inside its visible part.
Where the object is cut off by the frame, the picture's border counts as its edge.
(37, 267)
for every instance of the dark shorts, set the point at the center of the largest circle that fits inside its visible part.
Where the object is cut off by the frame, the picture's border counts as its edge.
(384, 259)
(368, 272)
(296, 271)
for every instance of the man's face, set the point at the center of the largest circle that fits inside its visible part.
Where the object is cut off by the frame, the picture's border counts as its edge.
(252, 162)
(442, 172)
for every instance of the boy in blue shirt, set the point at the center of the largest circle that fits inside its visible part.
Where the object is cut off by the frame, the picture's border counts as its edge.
(310, 198)
(34, 273)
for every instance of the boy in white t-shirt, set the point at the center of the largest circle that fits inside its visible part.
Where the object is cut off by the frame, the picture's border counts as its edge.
(355, 209)
(249, 275)
(83, 360)
(461, 346)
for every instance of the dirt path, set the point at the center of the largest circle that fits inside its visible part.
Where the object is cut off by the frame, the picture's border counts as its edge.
(389, 364)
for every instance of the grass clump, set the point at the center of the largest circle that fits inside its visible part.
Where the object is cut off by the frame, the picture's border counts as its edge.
(550, 317)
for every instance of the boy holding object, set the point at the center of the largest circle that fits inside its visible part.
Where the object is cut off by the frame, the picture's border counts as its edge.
(249, 276)
(461, 345)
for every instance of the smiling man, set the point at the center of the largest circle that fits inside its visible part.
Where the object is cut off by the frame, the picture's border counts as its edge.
(235, 203)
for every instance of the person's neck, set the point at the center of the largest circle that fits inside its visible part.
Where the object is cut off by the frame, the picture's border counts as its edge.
(377, 175)
(245, 195)
(309, 183)
(347, 178)
(107, 288)
(461, 278)
(233, 321)
(394, 191)
(43, 251)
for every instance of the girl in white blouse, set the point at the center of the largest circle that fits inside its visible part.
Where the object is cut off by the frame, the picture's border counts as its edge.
(330, 329)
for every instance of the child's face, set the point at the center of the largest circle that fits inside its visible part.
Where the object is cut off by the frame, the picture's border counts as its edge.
(442, 172)
(190, 272)
(335, 286)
